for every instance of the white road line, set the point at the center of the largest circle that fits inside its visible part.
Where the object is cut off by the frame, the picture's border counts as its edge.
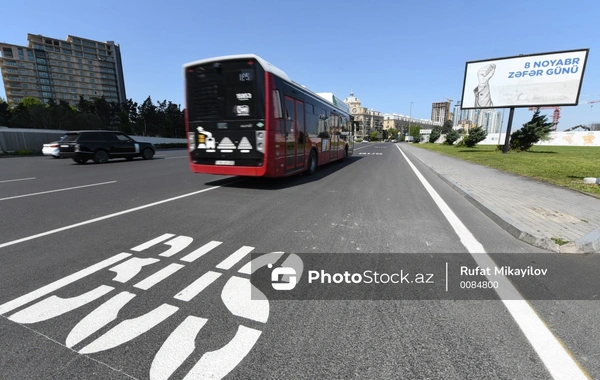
(243, 299)
(104, 217)
(57, 190)
(201, 251)
(130, 329)
(44, 290)
(193, 289)
(177, 244)
(152, 242)
(14, 180)
(235, 257)
(170, 158)
(177, 348)
(553, 354)
(157, 277)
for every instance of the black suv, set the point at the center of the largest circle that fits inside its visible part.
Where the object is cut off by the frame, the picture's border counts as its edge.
(101, 146)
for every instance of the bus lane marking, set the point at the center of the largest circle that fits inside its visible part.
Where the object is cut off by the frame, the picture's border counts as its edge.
(57, 190)
(15, 180)
(556, 358)
(238, 295)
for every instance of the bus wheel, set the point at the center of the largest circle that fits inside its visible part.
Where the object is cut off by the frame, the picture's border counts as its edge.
(312, 163)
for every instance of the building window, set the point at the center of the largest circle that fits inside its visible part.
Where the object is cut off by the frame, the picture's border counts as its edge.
(65, 44)
(46, 94)
(46, 88)
(41, 61)
(10, 63)
(79, 54)
(43, 74)
(7, 53)
(13, 77)
(89, 50)
(67, 51)
(45, 81)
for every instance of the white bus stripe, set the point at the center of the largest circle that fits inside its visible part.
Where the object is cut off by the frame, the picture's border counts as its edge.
(235, 257)
(555, 357)
(193, 289)
(191, 257)
(44, 290)
(157, 277)
(57, 190)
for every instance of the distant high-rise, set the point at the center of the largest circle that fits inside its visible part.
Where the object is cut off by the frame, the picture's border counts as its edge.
(50, 68)
(440, 112)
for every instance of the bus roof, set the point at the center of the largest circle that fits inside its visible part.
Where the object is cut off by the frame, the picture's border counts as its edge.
(266, 65)
(328, 96)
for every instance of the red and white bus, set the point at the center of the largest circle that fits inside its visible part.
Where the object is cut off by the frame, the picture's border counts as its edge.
(246, 117)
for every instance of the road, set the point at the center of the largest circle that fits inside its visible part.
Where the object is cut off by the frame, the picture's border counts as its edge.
(132, 270)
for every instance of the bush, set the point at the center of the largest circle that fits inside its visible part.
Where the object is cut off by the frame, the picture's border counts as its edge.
(475, 136)
(435, 134)
(452, 137)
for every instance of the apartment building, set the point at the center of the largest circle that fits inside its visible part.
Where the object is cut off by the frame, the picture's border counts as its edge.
(49, 68)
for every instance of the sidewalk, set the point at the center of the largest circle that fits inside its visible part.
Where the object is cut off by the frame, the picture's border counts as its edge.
(530, 210)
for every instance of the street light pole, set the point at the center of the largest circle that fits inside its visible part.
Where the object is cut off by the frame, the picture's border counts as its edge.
(409, 120)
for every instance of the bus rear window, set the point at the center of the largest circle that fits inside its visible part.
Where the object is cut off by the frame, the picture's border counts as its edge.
(228, 90)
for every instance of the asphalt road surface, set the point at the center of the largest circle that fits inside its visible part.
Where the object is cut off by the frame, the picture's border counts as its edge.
(139, 270)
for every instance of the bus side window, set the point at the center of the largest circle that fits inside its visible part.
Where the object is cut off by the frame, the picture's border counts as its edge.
(278, 112)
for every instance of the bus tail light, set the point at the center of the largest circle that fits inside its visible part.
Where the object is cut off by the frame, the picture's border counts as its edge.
(260, 141)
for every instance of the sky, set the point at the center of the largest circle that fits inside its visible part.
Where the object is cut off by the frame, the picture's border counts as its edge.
(389, 53)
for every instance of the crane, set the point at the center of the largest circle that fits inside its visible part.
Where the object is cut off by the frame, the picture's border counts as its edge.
(555, 115)
(592, 102)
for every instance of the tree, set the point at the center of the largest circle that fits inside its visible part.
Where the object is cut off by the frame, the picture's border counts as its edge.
(452, 137)
(436, 132)
(476, 135)
(5, 114)
(538, 128)
(447, 127)
(593, 126)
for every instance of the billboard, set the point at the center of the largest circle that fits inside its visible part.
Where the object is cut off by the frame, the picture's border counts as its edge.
(546, 79)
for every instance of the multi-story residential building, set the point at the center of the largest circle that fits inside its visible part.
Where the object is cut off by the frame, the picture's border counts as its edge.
(49, 68)
(440, 112)
(490, 119)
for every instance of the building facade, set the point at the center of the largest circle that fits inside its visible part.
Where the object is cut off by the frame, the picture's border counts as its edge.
(440, 112)
(489, 119)
(366, 120)
(49, 68)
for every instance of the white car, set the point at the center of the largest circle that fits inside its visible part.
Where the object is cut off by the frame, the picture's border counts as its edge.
(51, 149)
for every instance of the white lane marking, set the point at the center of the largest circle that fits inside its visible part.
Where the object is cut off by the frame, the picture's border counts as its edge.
(237, 297)
(193, 289)
(54, 306)
(44, 290)
(235, 257)
(57, 190)
(19, 179)
(106, 217)
(129, 269)
(177, 348)
(130, 329)
(217, 364)
(157, 277)
(177, 244)
(170, 158)
(100, 317)
(152, 242)
(201, 251)
(553, 354)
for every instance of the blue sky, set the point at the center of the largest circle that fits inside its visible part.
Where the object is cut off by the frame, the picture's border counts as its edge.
(389, 53)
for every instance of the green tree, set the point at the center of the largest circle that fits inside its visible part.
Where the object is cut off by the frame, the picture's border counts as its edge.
(447, 127)
(5, 114)
(538, 128)
(476, 135)
(415, 132)
(452, 137)
(436, 132)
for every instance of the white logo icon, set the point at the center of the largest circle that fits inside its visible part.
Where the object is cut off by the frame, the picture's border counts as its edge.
(244, 96)
(283, 271)
(242, 110)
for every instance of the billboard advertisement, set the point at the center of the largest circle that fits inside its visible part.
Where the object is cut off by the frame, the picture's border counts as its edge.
(546, 79)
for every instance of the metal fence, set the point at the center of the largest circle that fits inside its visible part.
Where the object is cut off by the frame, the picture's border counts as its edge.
(17, 139)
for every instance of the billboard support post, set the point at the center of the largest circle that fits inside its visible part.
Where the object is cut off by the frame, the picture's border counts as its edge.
(508, 126)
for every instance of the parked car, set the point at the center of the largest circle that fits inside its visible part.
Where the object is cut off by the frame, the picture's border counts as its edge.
(101, 146)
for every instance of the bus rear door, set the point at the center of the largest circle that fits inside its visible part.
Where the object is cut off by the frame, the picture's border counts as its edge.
(294, 134)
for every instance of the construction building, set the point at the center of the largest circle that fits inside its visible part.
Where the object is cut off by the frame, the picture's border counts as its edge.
(49, 68)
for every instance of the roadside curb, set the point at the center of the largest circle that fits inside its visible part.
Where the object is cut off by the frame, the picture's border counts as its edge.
(590, 243)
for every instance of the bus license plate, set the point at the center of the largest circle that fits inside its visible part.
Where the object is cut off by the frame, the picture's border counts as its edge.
(225, 162)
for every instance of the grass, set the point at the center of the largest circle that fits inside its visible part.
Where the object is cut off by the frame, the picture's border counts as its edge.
(564, 166)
